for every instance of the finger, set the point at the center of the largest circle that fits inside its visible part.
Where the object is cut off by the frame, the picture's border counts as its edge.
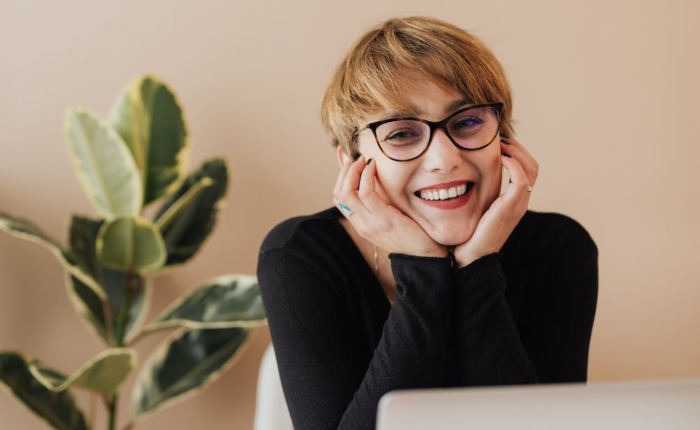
(367, 180)
(368, 193)
(518, 152)
(341, 177)
(512, 143)
(346, 198)
(518, 187)
(351, 182)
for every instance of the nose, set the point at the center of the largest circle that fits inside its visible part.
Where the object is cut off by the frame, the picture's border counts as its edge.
(442, 155)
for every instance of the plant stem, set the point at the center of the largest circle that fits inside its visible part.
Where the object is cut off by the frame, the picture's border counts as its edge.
(124, 313)
(91, 411)
(119, 339)
(113, 411)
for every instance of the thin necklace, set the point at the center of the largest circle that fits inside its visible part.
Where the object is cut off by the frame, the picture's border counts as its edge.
(379, 278)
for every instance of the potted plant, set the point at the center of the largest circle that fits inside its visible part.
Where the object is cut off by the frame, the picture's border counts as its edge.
(135, 158)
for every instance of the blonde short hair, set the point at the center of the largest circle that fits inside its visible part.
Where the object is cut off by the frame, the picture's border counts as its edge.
(373, 74)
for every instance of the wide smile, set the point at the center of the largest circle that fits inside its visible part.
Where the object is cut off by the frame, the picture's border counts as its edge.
(446, 196)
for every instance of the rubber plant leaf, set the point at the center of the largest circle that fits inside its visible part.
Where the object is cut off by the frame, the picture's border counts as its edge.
(185, 364)
(115, 282)
(105, 167)
(227, 301)
(185, 226)
(148, 117)
(103, 374)
(102, 315)
(130, 244)
(58, 409)
(25, 229)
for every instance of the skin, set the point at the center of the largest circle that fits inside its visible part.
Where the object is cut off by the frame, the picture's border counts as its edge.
(388, 214)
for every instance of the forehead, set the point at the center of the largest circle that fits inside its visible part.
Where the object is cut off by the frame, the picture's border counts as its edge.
(420, 97)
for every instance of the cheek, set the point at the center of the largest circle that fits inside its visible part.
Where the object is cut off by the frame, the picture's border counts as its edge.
(491, 168)
(389, 184)
(491, 177)
(496, 169)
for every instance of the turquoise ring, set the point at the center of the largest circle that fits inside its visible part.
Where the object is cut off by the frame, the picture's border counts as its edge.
(345, 209)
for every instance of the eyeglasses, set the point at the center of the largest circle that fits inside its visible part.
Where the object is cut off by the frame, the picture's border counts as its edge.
(405, 139)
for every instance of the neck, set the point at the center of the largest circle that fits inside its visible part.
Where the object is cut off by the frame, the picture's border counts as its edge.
(381, 266)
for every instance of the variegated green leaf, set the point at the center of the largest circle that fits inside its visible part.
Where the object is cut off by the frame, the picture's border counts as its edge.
(185, 229)
(82, 237)
(103, 374)
(25, 229)
(129, 243)
(82, 242)
(91, 308)
(227, 301)
(184, 363)
(148, 117)
(104, 165)
(97, 312)
(57, 409)
(179, 206)
(115, 287)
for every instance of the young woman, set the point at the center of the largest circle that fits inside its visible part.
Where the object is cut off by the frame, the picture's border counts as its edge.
(424, 274)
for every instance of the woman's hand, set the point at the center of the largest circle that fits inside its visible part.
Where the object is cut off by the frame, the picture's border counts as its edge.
(376, 220)
(500, 219)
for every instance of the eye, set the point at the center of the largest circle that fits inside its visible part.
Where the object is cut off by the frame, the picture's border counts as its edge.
(467, 122)
(401, 133)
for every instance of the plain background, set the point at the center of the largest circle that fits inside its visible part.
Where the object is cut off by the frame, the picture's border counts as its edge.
(606, 98)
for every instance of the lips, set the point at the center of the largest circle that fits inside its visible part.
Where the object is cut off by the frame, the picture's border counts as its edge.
(444, 192)
(449, 195)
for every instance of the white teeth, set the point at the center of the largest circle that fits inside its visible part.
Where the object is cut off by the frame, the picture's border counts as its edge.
(444, 193)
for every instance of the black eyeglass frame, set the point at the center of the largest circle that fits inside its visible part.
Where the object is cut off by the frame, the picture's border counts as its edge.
(434, 126)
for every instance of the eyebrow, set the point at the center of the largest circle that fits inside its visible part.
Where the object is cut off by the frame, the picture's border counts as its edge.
(415, 112)
(464, 102)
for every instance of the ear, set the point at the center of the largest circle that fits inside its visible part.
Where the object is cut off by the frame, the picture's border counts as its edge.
(342, 157)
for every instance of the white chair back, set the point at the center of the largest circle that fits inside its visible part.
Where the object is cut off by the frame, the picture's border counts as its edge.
(271, 411)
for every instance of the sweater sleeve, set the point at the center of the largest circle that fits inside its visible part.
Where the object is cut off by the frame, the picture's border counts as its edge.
(326, 382)
(486, 340)
(558, 335)
(552, 346)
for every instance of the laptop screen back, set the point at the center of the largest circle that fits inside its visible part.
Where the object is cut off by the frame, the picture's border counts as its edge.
(657, 405)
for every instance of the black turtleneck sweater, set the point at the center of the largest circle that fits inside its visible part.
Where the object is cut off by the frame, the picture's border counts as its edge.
(522, 316)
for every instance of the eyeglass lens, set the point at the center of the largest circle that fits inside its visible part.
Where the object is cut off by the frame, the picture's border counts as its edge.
(407, 139)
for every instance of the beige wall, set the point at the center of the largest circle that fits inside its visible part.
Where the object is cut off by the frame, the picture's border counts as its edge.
(606, 97)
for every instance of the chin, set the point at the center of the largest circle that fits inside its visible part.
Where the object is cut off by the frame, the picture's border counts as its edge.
(452, 237)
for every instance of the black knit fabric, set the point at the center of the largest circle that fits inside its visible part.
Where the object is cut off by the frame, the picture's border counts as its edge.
(521, 316)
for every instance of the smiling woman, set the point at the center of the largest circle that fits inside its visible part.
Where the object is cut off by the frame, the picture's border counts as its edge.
(425, 275)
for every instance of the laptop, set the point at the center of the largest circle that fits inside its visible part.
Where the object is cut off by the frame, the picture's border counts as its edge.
(638, 405)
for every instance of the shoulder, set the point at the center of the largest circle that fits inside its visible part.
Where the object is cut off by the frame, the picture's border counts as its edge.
(305, 253)
(321, 226)
(554, 228)
(551, 237)
(317, 241)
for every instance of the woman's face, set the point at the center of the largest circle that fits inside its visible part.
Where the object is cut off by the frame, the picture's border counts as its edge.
(441, 167)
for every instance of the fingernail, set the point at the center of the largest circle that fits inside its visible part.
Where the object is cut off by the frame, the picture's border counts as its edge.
(368, 162)
(507, 155)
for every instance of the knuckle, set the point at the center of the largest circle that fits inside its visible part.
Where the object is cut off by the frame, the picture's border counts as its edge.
(384, 225)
